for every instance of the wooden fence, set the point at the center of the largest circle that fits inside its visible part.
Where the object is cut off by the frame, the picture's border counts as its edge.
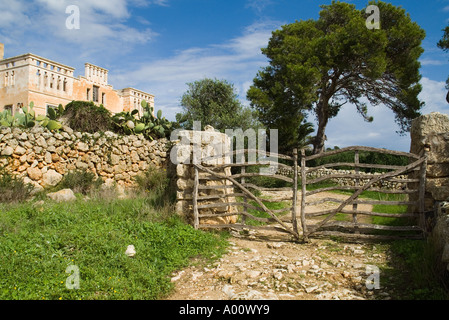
(246, 192)
(414, 187)
(247, 199)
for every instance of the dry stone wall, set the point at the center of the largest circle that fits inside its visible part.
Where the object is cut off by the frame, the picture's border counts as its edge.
(349, 182)
(42, 157)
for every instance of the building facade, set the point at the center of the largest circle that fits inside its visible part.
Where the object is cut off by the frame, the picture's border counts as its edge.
(47, 83)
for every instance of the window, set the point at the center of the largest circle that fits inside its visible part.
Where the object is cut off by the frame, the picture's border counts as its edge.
(64, 85)
(88, 94)
(50, 106)
(18, 108)
(103, 98)
(9, 108)
(95, 94)
(6, 79)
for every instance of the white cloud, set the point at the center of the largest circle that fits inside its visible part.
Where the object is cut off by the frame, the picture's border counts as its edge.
(348, 128)
(112, 8)
(103, 24)
(236, 61)
(12, 12)
(258, 5)
(432, 62)
(434, 95)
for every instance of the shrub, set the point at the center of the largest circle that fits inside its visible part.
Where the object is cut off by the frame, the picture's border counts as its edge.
(154, 180)
(130, 122)
(12, 188)
(156, 184)
(80, 181)
(85, 116)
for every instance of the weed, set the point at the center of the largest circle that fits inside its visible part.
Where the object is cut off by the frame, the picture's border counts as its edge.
(80, 181)
(422, 276)
(13, 188)
(156, 184)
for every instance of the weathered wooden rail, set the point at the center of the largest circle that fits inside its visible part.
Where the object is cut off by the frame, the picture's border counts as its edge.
(354, 228)
(243, 196)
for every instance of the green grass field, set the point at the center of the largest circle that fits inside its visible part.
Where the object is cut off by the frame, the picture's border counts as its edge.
(39, 241)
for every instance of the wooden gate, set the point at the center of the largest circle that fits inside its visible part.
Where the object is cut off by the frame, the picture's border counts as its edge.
(246, 194)
(346, 218)
(345, 215)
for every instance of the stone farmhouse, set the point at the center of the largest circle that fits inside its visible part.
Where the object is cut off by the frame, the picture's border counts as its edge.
(47, 83)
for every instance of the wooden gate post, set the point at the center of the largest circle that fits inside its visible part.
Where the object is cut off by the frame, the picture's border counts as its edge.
(295, 192)
(303, 196)
(196, 220)
(422, 190)
(354, 205)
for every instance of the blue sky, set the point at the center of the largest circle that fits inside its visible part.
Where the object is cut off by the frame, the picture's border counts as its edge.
(160, 45)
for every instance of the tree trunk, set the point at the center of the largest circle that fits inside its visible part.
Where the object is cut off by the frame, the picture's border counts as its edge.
(322, 114)
(320, 138)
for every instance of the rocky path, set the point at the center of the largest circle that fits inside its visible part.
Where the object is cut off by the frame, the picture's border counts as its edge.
(253, 269)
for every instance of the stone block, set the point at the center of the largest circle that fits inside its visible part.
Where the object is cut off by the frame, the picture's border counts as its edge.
(20, 151)
(7, 151)
(51, 178)
(34, 173)
(64, 195)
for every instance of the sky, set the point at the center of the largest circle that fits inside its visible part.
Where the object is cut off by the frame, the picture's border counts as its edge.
(159, 46)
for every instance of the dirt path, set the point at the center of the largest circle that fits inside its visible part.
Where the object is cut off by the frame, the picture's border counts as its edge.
(281, 270)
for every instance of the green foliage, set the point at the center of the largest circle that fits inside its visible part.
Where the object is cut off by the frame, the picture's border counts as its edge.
(12, 188)
(6, 119)
(80, 181)
(156, 183)
(40, 241)
(320, 65)
(147, 124)
(28, 118)
(444, 45)
(85, 116)
(423, 277)
(214, 102)
(364, 157)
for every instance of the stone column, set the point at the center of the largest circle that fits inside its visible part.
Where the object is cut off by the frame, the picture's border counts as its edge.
(432, 131)
(201, 144)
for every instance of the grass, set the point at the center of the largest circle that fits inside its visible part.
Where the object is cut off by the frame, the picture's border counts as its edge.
(38, 241)
(262, 214)
(80, 181)
(414, 271)
(13, 189)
